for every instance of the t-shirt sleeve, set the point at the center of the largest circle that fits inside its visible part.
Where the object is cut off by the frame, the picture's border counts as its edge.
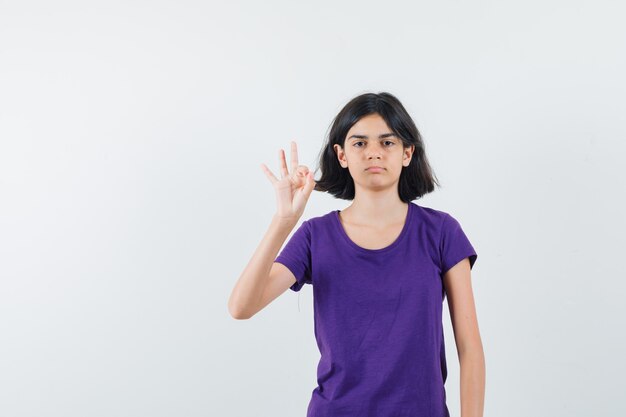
(296, 255)
(455, 246)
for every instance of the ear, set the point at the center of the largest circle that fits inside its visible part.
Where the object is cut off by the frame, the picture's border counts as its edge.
(341, 155)
(408, 153)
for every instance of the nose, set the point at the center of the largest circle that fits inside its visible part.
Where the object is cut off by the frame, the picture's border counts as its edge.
(374, 151)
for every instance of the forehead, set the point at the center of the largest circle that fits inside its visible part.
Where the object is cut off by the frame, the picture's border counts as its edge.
(372, 123)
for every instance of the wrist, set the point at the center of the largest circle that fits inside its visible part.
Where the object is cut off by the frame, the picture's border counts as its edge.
(284, 222)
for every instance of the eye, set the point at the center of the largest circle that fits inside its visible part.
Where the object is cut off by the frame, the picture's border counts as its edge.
(389, 142)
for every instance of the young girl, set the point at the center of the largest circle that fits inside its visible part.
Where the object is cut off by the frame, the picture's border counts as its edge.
(380, 270)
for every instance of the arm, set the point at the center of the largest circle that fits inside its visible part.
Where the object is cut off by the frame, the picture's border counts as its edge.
(457, 283)
(249, 294)
(263, 279)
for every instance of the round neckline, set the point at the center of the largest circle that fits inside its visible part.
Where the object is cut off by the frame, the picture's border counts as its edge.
(350, 242)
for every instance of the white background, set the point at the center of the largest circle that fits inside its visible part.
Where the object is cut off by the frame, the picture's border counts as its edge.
(131, 193)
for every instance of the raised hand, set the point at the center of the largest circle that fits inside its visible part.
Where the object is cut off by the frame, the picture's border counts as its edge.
(292, 189)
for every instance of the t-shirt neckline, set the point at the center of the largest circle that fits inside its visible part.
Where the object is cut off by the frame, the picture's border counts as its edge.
(403, 232)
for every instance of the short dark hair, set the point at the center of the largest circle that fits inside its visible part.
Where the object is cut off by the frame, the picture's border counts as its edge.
(416, 179)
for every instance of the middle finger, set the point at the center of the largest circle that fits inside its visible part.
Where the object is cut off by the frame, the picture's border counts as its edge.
(294, 156)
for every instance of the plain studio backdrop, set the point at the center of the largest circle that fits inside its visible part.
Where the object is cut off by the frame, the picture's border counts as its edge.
(131, 193)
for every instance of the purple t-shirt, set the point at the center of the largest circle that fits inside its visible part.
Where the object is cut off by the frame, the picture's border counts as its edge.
(378, 314)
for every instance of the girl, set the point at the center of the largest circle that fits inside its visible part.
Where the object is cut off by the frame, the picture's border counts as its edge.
(380, 270)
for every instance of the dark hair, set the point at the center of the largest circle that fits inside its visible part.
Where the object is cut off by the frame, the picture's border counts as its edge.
(416, 180)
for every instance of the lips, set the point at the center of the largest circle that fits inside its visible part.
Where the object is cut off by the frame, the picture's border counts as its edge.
(375, 169)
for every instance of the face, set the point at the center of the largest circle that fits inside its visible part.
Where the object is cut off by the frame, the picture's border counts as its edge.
(370, 142)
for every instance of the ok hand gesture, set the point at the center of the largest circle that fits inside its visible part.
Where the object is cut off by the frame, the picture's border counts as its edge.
(292, 189)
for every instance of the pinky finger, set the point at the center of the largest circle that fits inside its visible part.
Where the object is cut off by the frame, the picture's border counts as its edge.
(269, 174)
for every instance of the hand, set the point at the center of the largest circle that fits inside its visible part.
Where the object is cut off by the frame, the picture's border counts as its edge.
(293, 189)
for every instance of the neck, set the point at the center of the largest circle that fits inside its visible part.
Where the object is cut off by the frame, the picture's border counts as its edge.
(376, 209)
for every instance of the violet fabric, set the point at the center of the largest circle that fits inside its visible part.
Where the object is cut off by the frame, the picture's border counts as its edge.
(378, 314)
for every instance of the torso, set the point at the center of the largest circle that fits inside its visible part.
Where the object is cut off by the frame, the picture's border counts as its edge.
(378, 312)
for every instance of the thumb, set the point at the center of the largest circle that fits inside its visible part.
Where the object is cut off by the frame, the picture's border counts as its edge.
(309, 185)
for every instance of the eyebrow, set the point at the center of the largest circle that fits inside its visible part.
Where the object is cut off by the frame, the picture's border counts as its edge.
(384, 135)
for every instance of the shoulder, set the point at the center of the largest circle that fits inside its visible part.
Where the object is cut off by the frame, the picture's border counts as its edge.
(318, 227)
(320, 220)
(439, 223)
(433, 218)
